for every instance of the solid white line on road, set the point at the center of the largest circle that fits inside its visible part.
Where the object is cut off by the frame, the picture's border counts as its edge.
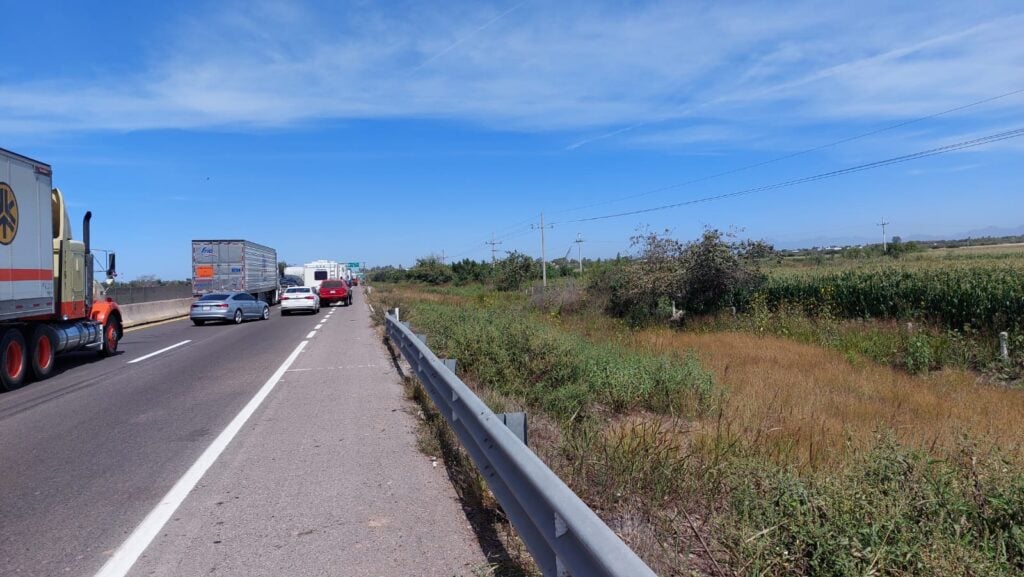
(128, 553)
(163, 350)
(311, 334)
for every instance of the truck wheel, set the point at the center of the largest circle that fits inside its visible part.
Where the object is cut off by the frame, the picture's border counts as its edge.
(238, 316)
(111, 336)
(12, 359)
(41, 351)
(266, 313)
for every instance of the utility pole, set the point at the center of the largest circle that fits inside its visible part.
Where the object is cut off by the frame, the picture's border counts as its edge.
(493, 244)
(442, 256)
(543, 259)
(579, 249)
(883, 224)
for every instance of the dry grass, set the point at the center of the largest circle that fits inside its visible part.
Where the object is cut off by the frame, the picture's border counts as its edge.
(810, 404)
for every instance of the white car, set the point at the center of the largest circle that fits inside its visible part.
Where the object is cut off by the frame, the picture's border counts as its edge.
(299, 298)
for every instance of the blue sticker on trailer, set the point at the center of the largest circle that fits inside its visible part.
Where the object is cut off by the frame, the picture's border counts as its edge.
(234, 269)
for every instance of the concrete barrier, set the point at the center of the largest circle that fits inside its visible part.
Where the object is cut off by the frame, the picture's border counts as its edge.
(151, 312)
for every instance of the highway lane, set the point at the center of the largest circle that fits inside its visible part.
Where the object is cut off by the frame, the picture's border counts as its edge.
(87, 453)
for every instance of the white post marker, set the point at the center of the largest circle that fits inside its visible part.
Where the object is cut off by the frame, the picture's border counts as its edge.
(163, 350)
(129, 552)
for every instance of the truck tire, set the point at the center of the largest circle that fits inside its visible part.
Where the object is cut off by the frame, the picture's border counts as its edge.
(238, 316)
(41, 351)
(112, 332)
(13, 360)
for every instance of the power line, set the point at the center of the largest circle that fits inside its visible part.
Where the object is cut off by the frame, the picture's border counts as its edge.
(1017, 132)
(796, 154)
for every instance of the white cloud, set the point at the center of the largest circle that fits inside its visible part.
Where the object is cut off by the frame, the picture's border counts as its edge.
(599, 71)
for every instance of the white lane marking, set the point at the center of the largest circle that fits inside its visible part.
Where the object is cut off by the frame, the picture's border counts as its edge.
(128, 553)
(311, 334)
(318, 327)
(344, 368)
(163, 350)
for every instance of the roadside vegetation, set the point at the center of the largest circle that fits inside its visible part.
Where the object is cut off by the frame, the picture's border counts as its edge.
(728, 414)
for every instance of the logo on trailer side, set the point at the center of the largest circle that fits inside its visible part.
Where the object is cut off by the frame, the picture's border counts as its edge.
(8, 214)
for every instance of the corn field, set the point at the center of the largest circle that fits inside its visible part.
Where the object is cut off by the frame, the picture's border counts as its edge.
(986, 298)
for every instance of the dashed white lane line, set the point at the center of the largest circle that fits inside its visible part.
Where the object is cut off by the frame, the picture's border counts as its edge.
(163, 350)
(128, 553)
(311, 334)
(318, 327)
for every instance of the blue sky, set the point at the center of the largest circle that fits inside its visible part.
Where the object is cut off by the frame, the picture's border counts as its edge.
(382, 132)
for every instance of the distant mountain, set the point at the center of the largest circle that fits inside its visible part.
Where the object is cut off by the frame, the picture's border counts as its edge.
(976, 233)
(819, 241)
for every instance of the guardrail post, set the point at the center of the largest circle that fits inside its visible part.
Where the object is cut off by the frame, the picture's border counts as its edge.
(1004, 346)
(516, 422)
(450, 364)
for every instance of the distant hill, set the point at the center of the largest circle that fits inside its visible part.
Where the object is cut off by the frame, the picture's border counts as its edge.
(991, 234)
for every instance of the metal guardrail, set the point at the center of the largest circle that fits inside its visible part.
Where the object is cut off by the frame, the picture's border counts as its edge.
(565, 536)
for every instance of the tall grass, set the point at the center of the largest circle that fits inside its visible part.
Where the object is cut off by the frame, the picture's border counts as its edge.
(563, 374)
(798, 463)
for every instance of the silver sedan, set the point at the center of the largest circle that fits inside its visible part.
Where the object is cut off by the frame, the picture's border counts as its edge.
(231, 306)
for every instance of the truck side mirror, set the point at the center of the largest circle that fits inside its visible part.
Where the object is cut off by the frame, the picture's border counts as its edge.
(111, 265)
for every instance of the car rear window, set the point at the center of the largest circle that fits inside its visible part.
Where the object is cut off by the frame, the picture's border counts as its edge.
(319, 275)
(297, 290)
(332, 284)
(215, 297)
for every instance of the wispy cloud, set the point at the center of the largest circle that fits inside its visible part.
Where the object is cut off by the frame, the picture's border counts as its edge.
(595, 70)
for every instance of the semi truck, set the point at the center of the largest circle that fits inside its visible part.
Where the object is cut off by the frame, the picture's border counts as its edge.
(235, 265)
(48, 301)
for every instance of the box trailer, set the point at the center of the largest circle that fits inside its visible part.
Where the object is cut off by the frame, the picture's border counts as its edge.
(235, 265)
(47, 303)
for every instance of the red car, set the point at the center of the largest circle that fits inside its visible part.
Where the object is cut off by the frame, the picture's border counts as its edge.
(335, 291)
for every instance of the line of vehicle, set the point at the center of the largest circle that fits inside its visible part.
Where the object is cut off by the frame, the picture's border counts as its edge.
(129, 552)
(163, 350)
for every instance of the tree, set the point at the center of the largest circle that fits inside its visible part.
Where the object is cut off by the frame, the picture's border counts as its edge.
(468, 270)
(431, 270)
(514, 271)
(280, 267)
(700, 277)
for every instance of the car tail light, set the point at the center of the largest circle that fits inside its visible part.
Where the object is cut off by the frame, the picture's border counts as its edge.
(309, 298)
(285, 298)
(222, 306)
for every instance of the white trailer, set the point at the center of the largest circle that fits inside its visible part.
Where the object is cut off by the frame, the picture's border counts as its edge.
(318, 271)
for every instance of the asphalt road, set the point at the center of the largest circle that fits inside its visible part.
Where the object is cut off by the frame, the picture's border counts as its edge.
(88, 453)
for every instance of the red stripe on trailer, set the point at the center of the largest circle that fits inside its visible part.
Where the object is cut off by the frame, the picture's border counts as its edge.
(20, 274)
